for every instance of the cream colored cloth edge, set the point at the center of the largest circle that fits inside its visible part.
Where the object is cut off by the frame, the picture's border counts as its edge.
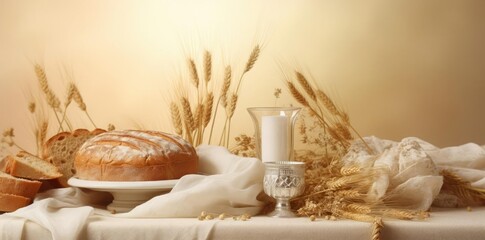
(231, 185)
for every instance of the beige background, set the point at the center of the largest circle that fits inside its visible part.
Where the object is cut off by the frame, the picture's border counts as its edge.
(400, 68)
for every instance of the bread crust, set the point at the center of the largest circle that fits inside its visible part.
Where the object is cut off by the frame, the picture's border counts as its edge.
(18, 186)
(132, 155)
(15, 167)
(10, 202)
(61, 148)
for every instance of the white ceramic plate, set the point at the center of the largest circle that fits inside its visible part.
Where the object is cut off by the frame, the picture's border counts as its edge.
(126, 195)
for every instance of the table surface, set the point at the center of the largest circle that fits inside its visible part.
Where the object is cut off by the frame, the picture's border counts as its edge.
(443, 224)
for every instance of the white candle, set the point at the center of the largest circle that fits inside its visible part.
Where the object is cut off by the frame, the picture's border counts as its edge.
(274, 138)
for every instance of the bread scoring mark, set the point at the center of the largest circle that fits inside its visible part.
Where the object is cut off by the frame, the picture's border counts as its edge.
(107, 142)
(141, 139)
(168, 137)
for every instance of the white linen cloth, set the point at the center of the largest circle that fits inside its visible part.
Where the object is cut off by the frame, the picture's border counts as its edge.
(411, 169)
(230, 185)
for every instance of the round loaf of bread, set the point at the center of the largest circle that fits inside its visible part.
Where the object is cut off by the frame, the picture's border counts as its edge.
(131, 155)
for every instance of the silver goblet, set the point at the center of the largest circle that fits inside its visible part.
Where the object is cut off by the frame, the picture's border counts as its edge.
(283, 181)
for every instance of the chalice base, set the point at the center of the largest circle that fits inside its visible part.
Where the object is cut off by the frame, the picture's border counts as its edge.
(282, 210)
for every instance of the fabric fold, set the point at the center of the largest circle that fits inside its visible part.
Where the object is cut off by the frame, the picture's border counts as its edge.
(412, 169)
(228, 184)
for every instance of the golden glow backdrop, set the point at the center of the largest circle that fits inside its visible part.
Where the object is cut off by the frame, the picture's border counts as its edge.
(400, 68)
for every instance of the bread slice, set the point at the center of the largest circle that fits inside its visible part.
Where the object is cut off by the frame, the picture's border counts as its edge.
(11, 202)
(18, 186)
(61, 149)
(26, 165)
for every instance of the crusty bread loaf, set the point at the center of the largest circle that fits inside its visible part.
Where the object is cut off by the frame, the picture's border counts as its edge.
(26, 165)
(132, 155)
(10, 202)
(18, 186)
(61, 149)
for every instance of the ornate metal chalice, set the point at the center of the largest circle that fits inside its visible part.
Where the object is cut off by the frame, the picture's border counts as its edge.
(283, 181)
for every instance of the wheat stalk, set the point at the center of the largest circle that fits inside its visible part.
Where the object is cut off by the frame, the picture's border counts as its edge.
(232, 105)
(350, 170)
(225, 85)
(42, 77)
(176, 118)
(207, 66)
(187, 114)
(306, 85)
(359, 208)
(343, 131)
(194, 76)
(327, 102)
(209, 102)
(297, 95)
(51, 98)
(42, 135)
(71, 91)
(349, 194)
(231, 108)
(198, 116)
(253, 57)
(377, 226)
(78, 98)
(81, 104)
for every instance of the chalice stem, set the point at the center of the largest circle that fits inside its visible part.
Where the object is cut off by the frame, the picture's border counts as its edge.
(282, 208)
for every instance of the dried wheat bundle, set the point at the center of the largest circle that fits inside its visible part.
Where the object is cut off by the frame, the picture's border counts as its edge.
(191, 116)
(39, 117)
(333, 120)
(334, 190)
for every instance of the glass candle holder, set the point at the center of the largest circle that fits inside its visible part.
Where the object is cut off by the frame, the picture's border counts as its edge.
(273, 132)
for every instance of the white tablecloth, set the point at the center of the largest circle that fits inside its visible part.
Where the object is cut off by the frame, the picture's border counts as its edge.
(443, 224)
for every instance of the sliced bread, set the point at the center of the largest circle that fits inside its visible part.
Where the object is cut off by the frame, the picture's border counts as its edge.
(11, 202)
(26, 165)
(61, 149)
(18, 186)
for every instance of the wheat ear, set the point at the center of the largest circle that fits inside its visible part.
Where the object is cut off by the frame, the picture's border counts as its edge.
(187, 114)
(71, 90)
(297, 95)
(81, 104)
(231, 108)
(42, 135)
(198, 115)
(51, 98)
(207, 67)
(225, 85)
(194, 76)
(253, 57)
(306, 85)
(377, 226)
(208, 104)
(327, 102)
(232, 105)
(176, 119)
